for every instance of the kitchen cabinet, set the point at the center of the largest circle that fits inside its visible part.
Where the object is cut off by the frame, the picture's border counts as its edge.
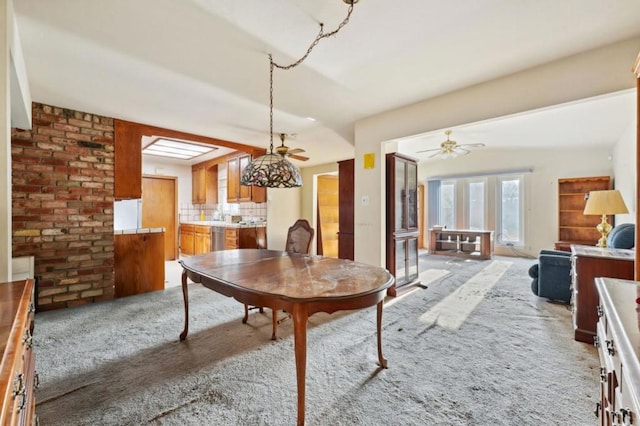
(195, 239)
(138, 262)
(204, 183)
(249, 237)
(237, 193)
(127, 161)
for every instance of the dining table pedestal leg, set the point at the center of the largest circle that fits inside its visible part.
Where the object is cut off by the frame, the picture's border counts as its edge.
(300, 317)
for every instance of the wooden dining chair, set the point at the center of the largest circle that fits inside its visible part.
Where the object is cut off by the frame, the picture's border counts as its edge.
(299, 238)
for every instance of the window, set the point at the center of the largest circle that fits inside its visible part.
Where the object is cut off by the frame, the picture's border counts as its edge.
(510, 200)
(475, 204)
(493, 201)
(447, 214)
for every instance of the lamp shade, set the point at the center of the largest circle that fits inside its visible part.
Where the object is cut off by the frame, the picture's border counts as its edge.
(271, 171)
(605, 202)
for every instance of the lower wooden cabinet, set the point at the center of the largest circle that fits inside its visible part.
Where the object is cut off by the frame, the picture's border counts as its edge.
(18, 378)
(617, 340)
(587, 263)
(195, 239)
(199, 239)
(241, 238)
(138, 263)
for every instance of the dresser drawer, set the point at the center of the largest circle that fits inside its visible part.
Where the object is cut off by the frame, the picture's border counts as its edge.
(17, 371)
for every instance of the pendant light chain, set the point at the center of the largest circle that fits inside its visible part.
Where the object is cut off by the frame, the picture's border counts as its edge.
(273, 65)
(274, 170)
(319, 37)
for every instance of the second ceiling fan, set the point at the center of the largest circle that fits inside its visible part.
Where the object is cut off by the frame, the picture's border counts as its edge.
(286, 151)
(451, 148)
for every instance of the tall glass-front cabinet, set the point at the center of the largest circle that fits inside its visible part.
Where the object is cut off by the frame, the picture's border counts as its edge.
(402, 220)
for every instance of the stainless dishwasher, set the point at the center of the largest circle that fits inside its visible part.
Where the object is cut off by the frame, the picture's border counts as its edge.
(217, 238)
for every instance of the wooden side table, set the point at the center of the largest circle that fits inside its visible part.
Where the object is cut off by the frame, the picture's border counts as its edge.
(587, 263)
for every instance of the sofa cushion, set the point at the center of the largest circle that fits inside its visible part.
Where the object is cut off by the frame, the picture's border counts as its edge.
(622, 236)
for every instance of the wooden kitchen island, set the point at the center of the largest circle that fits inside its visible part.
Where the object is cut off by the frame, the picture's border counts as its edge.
(138, 261)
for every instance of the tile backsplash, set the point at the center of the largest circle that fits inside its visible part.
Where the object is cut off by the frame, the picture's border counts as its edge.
(248, 211)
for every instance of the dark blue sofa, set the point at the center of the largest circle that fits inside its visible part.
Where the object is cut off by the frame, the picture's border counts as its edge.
(551, 276)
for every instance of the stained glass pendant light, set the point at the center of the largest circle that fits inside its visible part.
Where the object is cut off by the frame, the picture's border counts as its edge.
(274, 170)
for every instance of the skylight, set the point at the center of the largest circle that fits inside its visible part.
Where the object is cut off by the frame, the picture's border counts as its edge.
(173, 148)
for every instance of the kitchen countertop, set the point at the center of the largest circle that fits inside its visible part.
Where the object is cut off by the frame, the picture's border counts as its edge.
(138, 231)
(225, 224)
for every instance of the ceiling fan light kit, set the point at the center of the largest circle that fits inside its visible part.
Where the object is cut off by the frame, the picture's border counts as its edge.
(274, 170)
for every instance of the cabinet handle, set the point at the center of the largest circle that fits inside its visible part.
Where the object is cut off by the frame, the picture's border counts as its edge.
(610, 348)
(19, 390)
(624, 413)
(27, 339)
(603, 375)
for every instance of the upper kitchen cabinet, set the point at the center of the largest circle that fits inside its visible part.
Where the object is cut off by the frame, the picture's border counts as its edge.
(127, 161)
(204, 183)
(237, 193)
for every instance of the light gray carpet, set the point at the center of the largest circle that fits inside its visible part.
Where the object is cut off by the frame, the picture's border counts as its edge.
(513, 362)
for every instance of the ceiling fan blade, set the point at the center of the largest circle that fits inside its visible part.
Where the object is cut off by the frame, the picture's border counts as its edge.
(298, 157)
(428, 150)
(473, 145)
(460, 151)
(435, 155)
(296, 151)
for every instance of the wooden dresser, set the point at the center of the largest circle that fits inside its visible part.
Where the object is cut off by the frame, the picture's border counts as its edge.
(587, 263)
(618, 343)
(18, 378)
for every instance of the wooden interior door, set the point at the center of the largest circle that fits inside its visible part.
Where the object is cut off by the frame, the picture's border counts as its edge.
(159, 209)
(328, 215)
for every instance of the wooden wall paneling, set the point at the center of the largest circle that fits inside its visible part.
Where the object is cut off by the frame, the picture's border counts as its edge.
(346, 209)
(636, 71)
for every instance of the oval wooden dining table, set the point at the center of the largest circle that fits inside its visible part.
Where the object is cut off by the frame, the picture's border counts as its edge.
(297, 283)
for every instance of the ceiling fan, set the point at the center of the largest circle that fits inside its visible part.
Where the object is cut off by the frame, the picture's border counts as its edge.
(286, 151)
(451, 148)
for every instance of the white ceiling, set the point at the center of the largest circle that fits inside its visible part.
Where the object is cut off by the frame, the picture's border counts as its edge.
(201, 66)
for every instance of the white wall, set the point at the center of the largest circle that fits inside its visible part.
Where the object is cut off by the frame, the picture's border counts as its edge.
(541, 185)
(283, 209)
(588, 74)
(624, 172)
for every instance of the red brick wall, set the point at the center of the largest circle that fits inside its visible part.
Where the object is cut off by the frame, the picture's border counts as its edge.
(62, 177)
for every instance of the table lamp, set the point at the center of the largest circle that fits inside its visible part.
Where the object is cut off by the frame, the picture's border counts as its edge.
(604, 203)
